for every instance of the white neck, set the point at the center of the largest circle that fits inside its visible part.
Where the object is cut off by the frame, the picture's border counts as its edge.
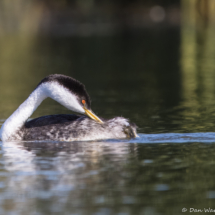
(26, 109)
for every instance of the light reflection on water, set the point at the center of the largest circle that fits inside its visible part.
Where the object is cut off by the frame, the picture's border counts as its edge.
(111, 177)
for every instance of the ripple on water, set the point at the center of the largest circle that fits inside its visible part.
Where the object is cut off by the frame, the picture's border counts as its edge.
(110, 174)
(203, 137)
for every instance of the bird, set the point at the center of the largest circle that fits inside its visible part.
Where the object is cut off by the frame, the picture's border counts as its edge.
(72, 94)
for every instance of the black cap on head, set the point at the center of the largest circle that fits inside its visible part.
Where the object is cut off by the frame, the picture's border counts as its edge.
(72, 85)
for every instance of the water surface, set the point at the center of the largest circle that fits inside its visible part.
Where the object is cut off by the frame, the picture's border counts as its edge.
(106, 177)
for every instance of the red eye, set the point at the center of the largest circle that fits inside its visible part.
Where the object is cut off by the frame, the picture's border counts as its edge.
(83, 101)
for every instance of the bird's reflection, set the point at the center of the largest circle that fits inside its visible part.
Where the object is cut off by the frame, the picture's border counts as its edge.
(61, 172)
(25, 156)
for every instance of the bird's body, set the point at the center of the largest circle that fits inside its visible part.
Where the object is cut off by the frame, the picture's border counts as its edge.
(66, 127)
(63, 127)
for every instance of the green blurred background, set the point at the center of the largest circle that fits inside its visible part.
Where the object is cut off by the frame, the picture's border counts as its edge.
(140, 59)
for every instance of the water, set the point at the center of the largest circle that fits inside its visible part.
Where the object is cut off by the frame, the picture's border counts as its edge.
(150, 78)
(106, 177)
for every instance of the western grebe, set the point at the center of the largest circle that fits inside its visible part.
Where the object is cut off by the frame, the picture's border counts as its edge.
(63, 127)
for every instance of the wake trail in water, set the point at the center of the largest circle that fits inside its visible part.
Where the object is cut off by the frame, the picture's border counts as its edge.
(204, 137)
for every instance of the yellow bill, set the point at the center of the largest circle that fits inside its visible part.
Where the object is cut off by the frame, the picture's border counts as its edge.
(92, 115)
